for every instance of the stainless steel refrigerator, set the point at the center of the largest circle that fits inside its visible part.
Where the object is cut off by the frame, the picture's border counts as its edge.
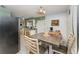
(8, 35)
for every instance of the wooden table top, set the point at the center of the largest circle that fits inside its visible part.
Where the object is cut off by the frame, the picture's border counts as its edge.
(50, 39)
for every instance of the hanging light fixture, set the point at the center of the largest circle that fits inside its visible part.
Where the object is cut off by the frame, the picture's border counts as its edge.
(41, 11)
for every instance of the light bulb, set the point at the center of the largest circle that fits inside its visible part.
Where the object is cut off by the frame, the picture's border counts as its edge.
(41, 10)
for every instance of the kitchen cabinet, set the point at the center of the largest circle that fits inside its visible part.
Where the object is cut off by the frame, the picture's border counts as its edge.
(4, 12)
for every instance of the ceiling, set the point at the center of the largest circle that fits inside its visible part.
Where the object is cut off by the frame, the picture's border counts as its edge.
(31, 10)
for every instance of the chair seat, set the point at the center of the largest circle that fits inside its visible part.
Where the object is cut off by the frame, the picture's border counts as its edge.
(62, 49)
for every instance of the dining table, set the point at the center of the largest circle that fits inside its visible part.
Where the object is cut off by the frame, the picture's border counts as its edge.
(48, 39)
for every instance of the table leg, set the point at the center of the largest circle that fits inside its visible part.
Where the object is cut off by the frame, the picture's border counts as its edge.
(50, 49)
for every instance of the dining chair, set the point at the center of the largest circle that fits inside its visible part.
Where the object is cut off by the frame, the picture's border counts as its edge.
(65, 49)
(70, 43)
(33, 46)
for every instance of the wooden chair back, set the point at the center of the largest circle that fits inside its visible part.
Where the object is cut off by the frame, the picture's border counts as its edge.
(32, 45)
(71, 40)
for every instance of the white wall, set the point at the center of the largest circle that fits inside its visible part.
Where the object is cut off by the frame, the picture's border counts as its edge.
(40, 26)
(74, 13)
(44, 25)
(72, 19)
(69, 21)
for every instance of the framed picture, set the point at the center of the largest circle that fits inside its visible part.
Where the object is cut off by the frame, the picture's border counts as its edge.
(54, 22)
